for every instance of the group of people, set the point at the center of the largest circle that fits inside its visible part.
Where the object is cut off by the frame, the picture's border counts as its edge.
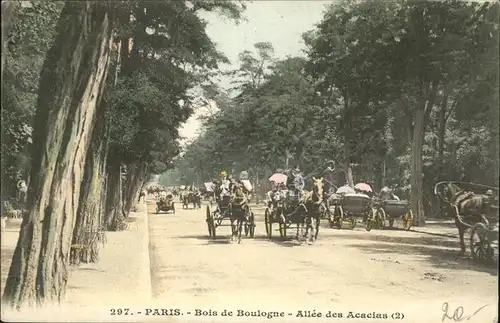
(295, 181)
(225, 185)
(332, 179)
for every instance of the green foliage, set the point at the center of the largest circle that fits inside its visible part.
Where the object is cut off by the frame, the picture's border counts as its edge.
(30, 37)
(380, 57)
(171, 54)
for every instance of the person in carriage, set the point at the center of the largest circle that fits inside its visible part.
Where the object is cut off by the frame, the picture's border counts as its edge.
(387, 193)
(330, 181)
(295, 182)
(221, 186)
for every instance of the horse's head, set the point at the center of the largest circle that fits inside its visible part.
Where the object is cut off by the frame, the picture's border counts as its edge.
(238, 190)
(450, 192)
(318, 186)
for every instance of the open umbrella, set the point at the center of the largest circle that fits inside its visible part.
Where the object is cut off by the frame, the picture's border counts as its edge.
(345, 189)
(278, 178)
(363, 187)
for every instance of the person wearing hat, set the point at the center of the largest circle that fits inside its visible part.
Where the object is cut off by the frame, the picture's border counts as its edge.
(298, 182)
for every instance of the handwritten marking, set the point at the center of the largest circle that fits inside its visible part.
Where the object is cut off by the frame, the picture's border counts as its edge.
(458, 314)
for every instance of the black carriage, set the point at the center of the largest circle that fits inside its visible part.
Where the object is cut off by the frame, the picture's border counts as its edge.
(165, 204)
(484, 241)
(274, 211)
(222, 212)
(388, 211)
(289, 213)
(350, 207)
(484, 233)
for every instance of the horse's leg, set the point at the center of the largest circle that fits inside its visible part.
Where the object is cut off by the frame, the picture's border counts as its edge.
(461, 232)
(240, 224)
(309, 228)
(233, 228)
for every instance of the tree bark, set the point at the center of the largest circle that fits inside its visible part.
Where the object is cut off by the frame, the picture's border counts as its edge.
(135, 177)
(113, 214)
(71, 86)
(416, 166)
(426, 101)
(441, 135)
(85, 232)
(347, 142)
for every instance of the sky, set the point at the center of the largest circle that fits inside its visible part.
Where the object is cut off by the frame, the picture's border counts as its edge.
(281, 23)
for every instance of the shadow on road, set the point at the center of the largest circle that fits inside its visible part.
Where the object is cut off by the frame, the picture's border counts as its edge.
(289, 241)
(432, 239)
(440, 251)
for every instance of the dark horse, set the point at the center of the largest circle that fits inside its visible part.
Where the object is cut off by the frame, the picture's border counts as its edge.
(311, 203)
(191, 197)
(467, 208)
(240, 210)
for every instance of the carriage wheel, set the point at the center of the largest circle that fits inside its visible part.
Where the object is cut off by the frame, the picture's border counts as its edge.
(282, 227)
(369, 219)
(209, 221)
(380, 218)
(323, 212)
(338, 217)
(268, 223)
(252, 225)
(408, 220)
(480, 247)
(352, 222)
(246, 226)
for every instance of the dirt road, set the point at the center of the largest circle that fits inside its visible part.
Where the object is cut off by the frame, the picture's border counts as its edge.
(348, 274)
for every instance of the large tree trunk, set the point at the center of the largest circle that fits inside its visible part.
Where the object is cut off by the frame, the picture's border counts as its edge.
(426, 101)
(416, 167)
(441, 135)
(86, 231)
(135, 177)
(113, 215)
(347, 142)
(71, 86)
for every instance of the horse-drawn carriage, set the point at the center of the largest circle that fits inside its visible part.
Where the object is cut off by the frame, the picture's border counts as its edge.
(233, 206)
(347, 205)
(165, 204)
(291, 212)
(473, 206)
(286, 211)
(191, 197)
(392, 210)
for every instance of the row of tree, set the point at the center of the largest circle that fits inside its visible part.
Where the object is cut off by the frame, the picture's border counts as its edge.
(398, 93)
(94, 94)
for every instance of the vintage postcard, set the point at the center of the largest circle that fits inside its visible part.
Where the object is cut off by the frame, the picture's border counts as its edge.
(250, 161)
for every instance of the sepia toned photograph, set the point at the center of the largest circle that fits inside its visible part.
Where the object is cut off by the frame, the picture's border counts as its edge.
(250, 161)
